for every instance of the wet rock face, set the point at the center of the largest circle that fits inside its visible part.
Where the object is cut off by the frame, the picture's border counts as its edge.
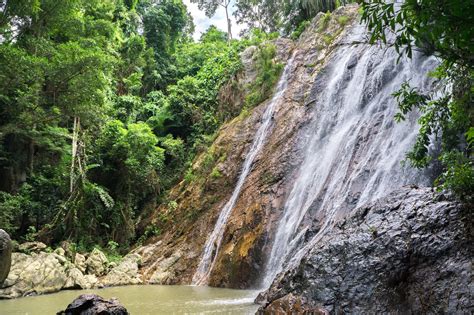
(91, 304)
(410, 252)
(290, 304)
(173, 257)
(5, 255)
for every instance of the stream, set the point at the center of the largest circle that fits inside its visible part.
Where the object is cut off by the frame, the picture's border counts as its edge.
(146, 299)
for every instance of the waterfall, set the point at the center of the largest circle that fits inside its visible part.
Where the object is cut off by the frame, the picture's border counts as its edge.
(353, 147)
(214, 241)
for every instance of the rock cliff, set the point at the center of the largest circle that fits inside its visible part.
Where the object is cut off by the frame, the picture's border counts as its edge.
(195, 204)
(408, 253)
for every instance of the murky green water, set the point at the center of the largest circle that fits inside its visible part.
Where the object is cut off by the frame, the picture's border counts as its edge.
(142, 300)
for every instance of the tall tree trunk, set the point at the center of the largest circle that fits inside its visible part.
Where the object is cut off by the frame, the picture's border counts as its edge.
(75, 139)
(229, 24)
(31, 155)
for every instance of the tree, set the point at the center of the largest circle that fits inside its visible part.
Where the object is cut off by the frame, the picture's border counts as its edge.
(263, 14)
(210, 8)
(56, 64)
(281, 15)
(440, 28)
(103, 104)
(54, 68)
(298, 11)
(163, 24)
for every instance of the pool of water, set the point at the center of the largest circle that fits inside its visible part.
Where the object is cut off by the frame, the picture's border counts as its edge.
(147, 299)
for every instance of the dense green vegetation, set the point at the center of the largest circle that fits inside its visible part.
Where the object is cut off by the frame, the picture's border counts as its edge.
(103, 106)
(268, 74)
(105, 103)
(445, 29)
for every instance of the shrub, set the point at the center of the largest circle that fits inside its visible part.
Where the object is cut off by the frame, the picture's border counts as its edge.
(216, 173)
(342, 20)
(268, 74)
(299, 30)
(324, 22)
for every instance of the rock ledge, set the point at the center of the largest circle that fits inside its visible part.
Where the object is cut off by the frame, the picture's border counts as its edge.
(410, 252)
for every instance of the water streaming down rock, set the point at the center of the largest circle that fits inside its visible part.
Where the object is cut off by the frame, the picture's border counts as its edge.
(214, 241)
(353, 146)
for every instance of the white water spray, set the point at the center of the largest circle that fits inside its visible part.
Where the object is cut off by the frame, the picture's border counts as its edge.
(214, 241)
(353, 148)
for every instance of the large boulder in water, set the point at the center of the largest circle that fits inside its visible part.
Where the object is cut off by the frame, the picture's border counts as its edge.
(408, 253)
(91, 304)
(5, 255)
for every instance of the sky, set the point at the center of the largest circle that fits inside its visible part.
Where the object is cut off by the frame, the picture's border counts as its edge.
(202, 22)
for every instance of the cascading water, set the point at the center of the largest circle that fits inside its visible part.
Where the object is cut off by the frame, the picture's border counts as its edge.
(214, 241)
(353, 147)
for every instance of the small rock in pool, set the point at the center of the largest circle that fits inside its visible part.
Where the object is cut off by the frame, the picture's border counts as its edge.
(92, 304)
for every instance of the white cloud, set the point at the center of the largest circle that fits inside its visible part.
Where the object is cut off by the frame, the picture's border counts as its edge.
(202, 22)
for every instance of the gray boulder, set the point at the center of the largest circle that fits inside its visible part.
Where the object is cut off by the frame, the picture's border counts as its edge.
(5, 255)
(408, 253)
(125, 273)
(97, 263)
(91, 304)
(80, 262)
(32, 247)
(33, 274)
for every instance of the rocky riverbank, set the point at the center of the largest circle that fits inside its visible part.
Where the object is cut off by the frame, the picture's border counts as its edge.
(35, 270)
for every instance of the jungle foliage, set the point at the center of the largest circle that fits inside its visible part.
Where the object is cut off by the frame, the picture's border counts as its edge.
(103, 104)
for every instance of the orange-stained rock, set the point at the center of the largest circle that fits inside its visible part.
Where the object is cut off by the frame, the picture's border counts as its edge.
(193, 205)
